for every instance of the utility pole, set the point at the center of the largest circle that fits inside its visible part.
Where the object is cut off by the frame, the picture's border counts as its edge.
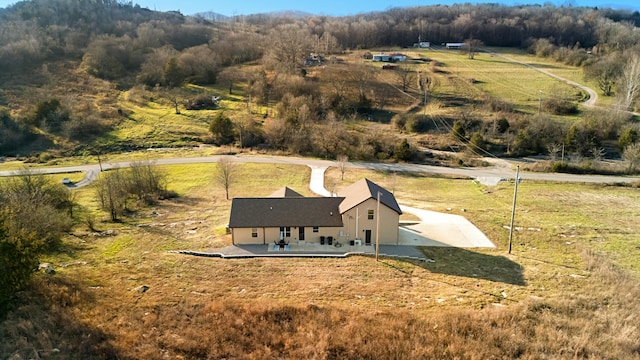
(378, 226)
(99, 162)
(539, 102)
(513, 209)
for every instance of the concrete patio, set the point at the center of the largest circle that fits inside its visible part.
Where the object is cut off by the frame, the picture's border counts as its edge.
(309, 251)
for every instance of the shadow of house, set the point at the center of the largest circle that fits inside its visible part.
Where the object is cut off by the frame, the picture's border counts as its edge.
(471, 264)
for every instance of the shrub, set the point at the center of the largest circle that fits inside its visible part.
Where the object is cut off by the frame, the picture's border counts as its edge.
(559, 106)
(627, 137)
(458, 131)
(221, 128)
(79, 128)
(403, 151)
(559, 166)
(418, 124)
(477, 142)
(502, 125)
(582, 139)
(202, 102)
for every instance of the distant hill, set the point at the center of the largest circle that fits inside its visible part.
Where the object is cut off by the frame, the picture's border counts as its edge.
(630, 7)
(212, 16)
(292, 14)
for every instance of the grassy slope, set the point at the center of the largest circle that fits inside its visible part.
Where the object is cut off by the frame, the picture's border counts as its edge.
(151, 122)
(550, 294)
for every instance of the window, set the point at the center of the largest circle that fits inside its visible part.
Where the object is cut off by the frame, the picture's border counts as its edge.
(315, 229)
(370, 215)
(286, 231)
(254, 232)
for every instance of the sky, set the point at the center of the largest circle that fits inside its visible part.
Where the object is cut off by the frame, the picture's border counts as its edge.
(337, 7)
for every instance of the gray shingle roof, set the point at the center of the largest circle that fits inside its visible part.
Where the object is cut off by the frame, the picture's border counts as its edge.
(363, 190)
(290, 211)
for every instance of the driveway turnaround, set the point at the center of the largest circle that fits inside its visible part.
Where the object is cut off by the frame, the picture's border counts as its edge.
(440, 229)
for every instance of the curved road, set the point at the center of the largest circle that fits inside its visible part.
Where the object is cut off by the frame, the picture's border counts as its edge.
(499, 173)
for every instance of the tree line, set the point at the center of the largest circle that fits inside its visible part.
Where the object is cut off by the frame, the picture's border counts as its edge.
(37, 30)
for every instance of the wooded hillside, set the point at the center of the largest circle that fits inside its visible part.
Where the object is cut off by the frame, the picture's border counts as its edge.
(67, 65)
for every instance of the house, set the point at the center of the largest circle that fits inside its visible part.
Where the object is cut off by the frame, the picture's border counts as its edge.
(454, 45)
(286, 215)
(398, 57)
(389, 58)
(381, 57)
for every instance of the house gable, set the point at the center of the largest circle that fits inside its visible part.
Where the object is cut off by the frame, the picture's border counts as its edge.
(363, 190)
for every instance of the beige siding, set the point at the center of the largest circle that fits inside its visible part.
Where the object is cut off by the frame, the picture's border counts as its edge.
(388, 223)
(242, 236)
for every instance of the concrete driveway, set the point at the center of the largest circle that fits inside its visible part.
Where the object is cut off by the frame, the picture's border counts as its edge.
(440, 229)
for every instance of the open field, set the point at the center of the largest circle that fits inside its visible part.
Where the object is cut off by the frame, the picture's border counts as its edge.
(567, 291)
(498, 78)
(566, 71)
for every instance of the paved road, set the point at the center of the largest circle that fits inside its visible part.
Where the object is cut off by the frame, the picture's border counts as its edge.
(92, 171)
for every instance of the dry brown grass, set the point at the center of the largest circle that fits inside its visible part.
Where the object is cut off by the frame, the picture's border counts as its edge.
(207, 318)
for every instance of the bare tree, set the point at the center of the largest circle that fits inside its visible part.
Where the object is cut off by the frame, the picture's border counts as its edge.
(35, 206)
(630, 82)
(394, 182)
(226, 173)
(229, 76)
(471, 46)
(405, 76)
(242, 124)
(597, 153)
(343, 160)
(360, 76)
(606, 72)
(112, 194)
(554, 149)
(289, 44)
(632, 154)
(146, 181)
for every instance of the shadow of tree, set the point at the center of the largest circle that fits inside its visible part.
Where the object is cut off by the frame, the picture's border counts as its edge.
(471, 264)
(42, 323)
